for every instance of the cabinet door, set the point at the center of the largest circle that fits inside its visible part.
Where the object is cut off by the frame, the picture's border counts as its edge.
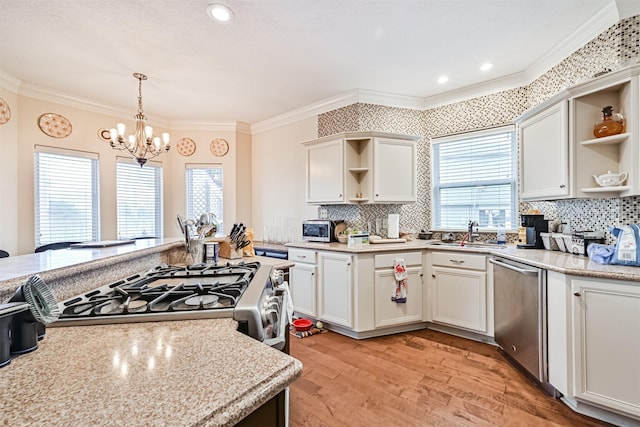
(606, 342)
(303, 288)
(325, 172)
(394, 171)
(544, 154)
(389, 313)
(460, 298)
(335, 288)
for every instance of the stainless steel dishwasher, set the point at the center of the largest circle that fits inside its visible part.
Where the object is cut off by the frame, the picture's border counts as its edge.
(520, 316)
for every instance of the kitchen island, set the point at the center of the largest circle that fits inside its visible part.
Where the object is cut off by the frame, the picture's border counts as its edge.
(187, 372)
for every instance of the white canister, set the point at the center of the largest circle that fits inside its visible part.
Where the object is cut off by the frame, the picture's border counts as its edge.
(393, 226)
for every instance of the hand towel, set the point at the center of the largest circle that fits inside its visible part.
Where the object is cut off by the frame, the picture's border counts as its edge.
(399, 294)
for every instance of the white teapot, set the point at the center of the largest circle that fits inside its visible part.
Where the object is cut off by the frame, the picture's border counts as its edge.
(610, 179)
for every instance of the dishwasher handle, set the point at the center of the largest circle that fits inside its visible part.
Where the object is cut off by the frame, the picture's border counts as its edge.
(525, 271)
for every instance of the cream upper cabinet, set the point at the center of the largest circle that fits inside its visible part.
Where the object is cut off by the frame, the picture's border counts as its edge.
(362, 167)
(325, 172)
(544, 153)
(559, 154)
(395, 171)
(606, 344)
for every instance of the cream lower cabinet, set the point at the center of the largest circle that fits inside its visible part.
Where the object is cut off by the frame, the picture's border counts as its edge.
(606, 344)
(459, 290)
(303, 283)
(387, 312)
(335, 288)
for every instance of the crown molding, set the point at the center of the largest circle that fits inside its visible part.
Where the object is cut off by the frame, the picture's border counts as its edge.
(194, 125)
(598, 23)
(512, 81)
(9, 82)
(338, 101)
(366, 96)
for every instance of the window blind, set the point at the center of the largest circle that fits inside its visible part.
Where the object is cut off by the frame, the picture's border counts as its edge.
(139, 199)
(67, 196)
(205, 191)
(474, 178)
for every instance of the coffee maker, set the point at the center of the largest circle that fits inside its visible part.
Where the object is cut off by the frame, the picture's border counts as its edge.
(534, 225)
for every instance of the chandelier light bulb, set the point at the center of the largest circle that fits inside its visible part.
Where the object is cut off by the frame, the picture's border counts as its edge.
(121, 128)
(148, 131)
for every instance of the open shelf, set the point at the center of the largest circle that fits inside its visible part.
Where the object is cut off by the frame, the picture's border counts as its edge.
(616, 189)
(607, 140)
(358, 170)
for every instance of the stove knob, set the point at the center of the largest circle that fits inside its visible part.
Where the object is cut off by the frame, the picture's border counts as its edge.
(269, 317)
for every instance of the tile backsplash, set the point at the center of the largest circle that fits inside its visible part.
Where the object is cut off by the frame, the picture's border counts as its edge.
(615, 48)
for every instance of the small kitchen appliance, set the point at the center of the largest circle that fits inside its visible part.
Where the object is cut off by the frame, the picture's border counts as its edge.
(320, 230)
(533, 225)
(7, 312)
(250, 293)
(581, 240)
(29, 326)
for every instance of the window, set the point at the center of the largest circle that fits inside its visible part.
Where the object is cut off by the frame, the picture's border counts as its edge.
(474, 178)
(139, 199)
(66, 196)
(204, 191)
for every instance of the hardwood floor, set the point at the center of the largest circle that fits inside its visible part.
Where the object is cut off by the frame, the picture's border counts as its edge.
(422, 378)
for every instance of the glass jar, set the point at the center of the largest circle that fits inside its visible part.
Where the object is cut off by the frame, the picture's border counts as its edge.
(609, 124)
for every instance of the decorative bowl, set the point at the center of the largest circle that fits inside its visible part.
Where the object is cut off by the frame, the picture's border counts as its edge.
(302, 324)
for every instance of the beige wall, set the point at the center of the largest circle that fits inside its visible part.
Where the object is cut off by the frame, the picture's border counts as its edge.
(9, 176)
(21, 134)
(279, 174)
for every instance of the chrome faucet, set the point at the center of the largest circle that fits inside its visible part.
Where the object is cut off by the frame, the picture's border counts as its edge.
(473, 230)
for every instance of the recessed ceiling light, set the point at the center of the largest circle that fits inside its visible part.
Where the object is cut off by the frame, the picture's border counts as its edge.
(219, 12)
(443, 79)
(486, 66)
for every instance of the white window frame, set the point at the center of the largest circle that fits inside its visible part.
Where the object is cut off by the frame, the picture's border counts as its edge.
(71, 188)
(127, 196)
(191, 210)
(474, 214)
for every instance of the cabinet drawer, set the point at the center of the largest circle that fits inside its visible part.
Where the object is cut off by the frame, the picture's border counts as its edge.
(386, 260)
(457, 259)
(302, 255)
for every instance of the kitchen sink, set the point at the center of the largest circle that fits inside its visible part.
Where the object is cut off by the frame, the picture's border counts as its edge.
(472, 245)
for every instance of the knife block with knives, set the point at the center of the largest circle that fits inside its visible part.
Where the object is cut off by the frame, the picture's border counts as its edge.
(232, 245)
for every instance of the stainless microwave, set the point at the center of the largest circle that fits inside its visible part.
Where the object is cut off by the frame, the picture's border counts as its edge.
(320, 230)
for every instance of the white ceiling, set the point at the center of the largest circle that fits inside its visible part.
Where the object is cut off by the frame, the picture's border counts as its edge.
(281, 55)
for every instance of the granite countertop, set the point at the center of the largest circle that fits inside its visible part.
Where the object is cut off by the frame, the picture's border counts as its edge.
(551, 260)
(178, 373)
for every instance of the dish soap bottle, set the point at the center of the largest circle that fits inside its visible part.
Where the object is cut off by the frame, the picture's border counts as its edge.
(609, 124)
(502, 235)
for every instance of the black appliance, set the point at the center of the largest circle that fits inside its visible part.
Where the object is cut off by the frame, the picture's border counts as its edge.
(8, 312)
(247, 292)
(534, 225)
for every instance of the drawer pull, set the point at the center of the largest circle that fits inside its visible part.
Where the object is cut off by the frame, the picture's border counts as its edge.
(302, 256)
(457, 261)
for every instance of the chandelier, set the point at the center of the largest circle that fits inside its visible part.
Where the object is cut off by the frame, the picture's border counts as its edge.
(142, 144)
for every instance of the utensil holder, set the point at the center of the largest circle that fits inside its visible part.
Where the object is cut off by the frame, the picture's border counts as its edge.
(229, 250)
(195, 251)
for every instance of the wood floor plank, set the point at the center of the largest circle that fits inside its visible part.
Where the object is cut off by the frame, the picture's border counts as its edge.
(420, 378)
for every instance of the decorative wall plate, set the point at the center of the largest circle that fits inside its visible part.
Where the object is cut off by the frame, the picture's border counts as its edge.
(104, 134)
(5, 112)
(219, 147)
(186, 146)
(55, 125)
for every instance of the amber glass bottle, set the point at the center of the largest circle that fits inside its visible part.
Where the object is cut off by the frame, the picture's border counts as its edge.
(609, 124)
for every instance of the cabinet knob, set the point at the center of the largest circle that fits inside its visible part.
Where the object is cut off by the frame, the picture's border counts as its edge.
(313, 274)
(433, 275)
(562, 185)
(339, 195)
(377, 195)
(577, 294)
